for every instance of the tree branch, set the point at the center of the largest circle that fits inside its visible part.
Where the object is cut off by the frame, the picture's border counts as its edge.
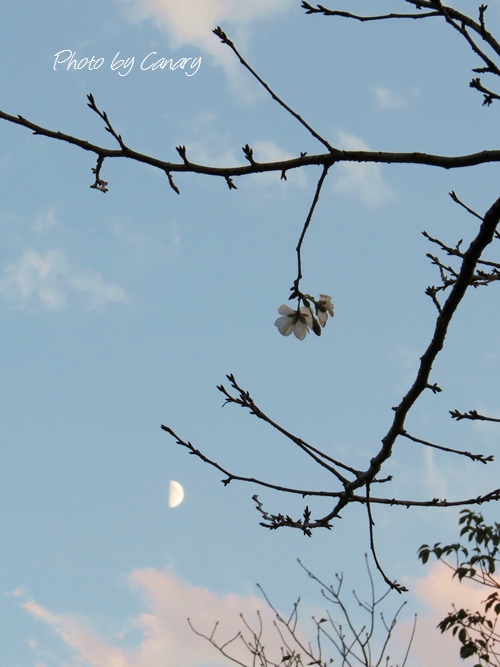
(473, 415)
(295, 289)
(392, 584)
(456, 19)
(472, 457)
(460, 203)
(325, 159)
(225, 40)
(319, 9)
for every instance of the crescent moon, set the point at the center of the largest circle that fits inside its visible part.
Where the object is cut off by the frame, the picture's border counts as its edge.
(175, 494)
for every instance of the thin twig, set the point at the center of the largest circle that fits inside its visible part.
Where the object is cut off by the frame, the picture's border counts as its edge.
(467, 208)
(393, 584)
(225, 40)
(319, 9)
(295, 288)
(473, 415)
(474, 457)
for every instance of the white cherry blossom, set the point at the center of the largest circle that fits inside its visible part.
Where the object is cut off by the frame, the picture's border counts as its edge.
(293, 321)
(326, 302)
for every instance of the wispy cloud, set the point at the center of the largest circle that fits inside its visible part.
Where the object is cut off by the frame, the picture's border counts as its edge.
(167, 639)
(361, 180)
(213, 149)
(45, 220)
(48, 279)
(190, 23)
(387, 99)
(436, 479)
(97, 290)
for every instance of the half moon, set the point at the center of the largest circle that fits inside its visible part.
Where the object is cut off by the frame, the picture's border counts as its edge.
(175, 494)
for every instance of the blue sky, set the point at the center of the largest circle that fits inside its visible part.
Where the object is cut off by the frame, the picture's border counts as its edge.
(123, 311)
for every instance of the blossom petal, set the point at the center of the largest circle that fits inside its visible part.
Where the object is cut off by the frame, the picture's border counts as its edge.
(322, 317)
(326, 301)
(306, 315)
(285, 310)
(285, 325)
(300, 330)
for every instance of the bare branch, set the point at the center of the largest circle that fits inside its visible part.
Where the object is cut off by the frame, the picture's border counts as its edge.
(432, 291)
(473, 415)
(326, 159)
(222, 649)
(295, 289)
(435, 502)
(472, 457)
(171, 183)
(457, 20)
(458, 201)
(319, 9)
(392, 584)
(352, 644)
(108, 127)
(244, 400)
(225, 40)
(488, 95)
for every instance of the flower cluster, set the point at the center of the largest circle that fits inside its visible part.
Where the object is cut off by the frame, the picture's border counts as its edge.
(300, 321)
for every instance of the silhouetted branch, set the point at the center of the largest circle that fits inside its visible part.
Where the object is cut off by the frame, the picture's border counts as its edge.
(467, 208)
(244, 400)
(295, 289)
(225, 40)
(171, 183)
(371, 523)
(473, 415)
(456, 252)
(473, 457)
(488, 95)
(456, 19)
(319, 9)
(108, 127)
(354, 646)
(432, 291)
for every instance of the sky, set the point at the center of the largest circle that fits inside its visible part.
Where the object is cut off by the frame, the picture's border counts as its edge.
(123, 311)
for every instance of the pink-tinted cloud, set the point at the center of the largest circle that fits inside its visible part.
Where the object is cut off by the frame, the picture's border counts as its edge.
(190, 23)
(438, 591)
(167, 639)
(77, 635)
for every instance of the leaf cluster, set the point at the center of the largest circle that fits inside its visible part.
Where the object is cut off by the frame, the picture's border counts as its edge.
(476, 631)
